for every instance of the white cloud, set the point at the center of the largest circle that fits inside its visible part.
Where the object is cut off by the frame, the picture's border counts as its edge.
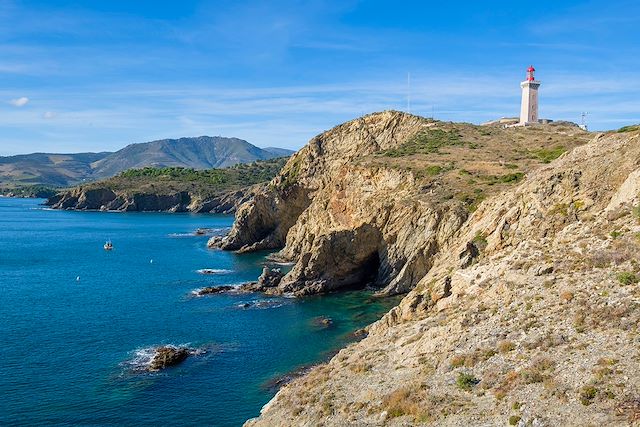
(49, 115)
(19, 102)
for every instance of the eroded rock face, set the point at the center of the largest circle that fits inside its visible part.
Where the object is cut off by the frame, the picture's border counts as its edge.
(105, 199)
(268, 280)
(263, 222)
(344, 224)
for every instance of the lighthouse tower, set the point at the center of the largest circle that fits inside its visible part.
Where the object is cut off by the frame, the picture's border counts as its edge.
(529, 107)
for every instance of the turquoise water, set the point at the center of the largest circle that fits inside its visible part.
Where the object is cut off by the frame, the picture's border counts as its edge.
(75, 321)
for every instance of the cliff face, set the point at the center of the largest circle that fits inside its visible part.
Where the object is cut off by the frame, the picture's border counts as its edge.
(374, 200)
(527, 316)
(107, 199)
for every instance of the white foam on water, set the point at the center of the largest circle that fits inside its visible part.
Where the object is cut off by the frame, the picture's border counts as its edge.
(142, 357)
(262, 304)
(214, 271)
(206, 232)
(196, 292)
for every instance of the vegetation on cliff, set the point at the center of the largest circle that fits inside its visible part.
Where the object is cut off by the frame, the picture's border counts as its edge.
(204, 182)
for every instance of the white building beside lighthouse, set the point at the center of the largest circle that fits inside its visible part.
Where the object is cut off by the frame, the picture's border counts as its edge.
(529, 106)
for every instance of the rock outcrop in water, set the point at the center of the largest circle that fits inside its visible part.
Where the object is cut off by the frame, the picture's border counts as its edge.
(373, 201)
(527, 314)
(212, 290)
(168, 356)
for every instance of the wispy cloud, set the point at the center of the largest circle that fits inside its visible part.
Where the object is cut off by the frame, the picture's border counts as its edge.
(278, 73)
(19, 102)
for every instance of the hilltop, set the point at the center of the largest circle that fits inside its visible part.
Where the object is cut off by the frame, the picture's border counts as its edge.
(62, 170)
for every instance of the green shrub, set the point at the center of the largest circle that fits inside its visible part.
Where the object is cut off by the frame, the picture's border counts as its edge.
(480, 241)
(466, 381)
(546, 155)
(587, 394)
(425, 142)
(627, 278)
(629, 128)
(504, 179)
(514, 420)
(433, 170)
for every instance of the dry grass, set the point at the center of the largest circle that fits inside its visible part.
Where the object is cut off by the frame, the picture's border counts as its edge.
(405, 401)
(468, 163)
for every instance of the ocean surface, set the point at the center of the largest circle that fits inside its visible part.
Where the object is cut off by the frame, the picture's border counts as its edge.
(77, 322)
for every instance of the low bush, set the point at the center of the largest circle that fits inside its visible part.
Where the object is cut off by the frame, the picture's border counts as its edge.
(466, 381)
(627, 278)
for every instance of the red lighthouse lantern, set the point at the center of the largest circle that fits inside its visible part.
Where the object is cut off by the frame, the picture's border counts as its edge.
(530, 72)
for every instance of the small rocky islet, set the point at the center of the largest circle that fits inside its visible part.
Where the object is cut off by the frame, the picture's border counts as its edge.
(168, 356)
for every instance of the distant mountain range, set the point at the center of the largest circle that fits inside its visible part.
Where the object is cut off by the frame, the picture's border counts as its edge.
(63, 170)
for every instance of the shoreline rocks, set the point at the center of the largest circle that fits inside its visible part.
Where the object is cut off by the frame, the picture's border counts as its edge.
(269, 279)
(212, 290)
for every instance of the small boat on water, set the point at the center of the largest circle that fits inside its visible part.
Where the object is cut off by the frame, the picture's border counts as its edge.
(108, 245)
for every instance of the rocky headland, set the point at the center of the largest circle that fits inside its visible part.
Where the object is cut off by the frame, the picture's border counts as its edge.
(375, 199)
(516, 249)
(171, 189)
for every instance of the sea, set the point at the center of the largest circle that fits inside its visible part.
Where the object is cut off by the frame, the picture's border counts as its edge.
(78, 324)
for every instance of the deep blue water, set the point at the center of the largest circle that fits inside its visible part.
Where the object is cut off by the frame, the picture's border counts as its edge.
(69, 347)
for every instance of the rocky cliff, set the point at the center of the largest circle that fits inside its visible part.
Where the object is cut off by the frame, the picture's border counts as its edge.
(375, 199)
(108, 199)
(527, 316)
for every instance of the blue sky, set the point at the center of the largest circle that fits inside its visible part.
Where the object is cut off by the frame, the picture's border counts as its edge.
(96, 75)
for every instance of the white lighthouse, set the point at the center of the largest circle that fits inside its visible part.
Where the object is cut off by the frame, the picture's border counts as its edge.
(529, 107)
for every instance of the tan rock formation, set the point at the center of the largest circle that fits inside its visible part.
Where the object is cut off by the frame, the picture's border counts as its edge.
(373, 200)
(528, 316)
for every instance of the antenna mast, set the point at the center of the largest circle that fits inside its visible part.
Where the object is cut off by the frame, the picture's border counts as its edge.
(408, 92)
(583, 122)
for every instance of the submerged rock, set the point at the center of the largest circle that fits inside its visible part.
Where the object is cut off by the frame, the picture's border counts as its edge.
(167, 356)
(322, 322)
(262, 304)
(357, 335)
(277, 382)
(203, 231)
